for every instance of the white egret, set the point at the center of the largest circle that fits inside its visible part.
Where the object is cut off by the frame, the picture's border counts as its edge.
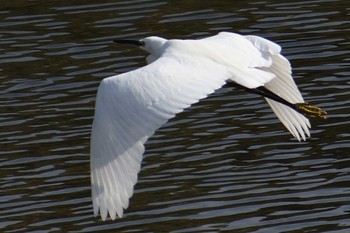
(131, 106)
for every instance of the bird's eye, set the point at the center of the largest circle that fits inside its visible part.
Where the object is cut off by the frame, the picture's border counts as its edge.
(141, 43)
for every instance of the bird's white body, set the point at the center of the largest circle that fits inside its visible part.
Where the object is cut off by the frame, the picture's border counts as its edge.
(131, 106)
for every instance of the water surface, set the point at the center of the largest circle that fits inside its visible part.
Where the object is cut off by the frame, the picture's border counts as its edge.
(225, 164)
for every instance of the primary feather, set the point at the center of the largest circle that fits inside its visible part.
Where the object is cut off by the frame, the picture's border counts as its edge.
(131, 106)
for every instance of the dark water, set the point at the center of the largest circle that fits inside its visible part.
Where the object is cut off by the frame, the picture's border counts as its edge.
(225, 164)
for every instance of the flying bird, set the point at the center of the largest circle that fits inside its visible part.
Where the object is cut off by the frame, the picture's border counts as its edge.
(131, 106)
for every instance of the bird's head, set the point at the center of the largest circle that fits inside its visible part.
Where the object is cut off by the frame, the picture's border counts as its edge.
(151, 44)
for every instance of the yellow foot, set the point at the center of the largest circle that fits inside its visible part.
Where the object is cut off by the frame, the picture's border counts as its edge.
(310, 110)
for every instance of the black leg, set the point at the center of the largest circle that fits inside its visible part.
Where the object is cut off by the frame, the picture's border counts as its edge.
(303, 108)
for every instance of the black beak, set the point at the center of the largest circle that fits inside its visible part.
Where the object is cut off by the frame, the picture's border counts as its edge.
(133, 42)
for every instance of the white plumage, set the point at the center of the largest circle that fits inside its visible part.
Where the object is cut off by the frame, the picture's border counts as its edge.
(131, 106)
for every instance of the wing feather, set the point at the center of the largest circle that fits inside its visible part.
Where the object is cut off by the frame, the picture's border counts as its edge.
(244, 57)
(284, 86)
(267, 68)
(129, 108)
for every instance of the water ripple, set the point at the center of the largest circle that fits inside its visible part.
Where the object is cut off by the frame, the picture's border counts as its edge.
(224, 165)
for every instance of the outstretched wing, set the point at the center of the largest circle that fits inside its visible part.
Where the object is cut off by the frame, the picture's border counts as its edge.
(267, 68)
(129, 108)
(284, 86)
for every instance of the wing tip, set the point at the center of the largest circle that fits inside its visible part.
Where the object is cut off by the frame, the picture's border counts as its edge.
(112, 213)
